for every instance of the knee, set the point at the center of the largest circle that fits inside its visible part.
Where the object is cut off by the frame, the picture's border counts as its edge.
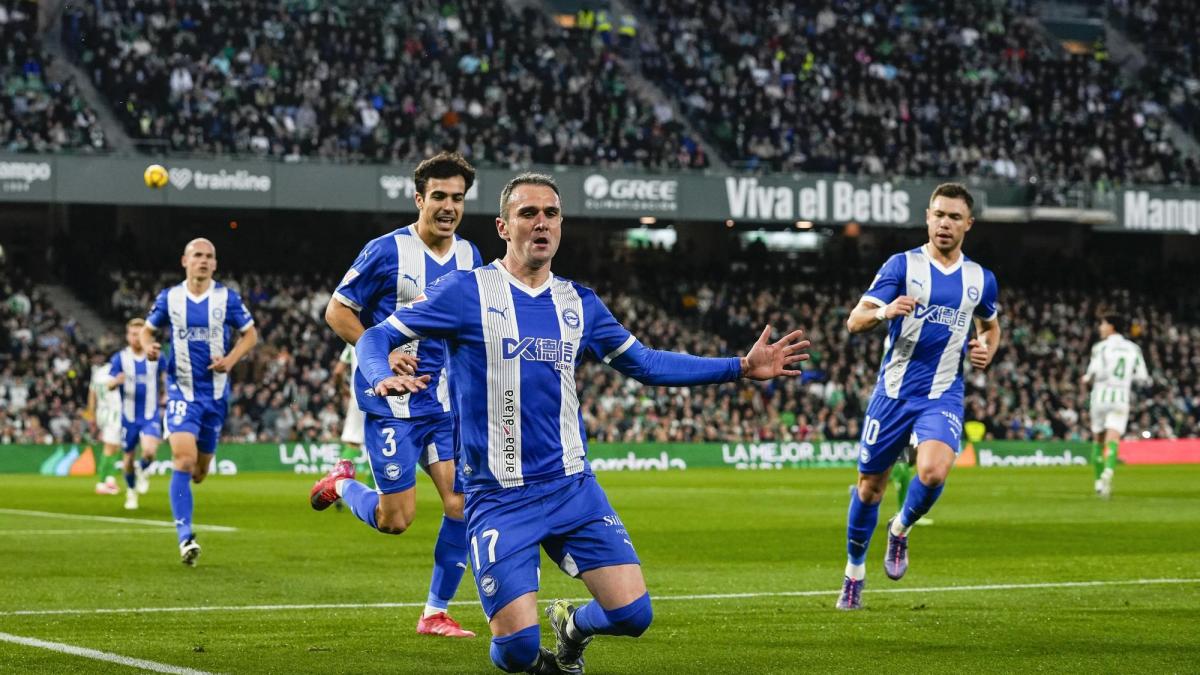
(517, 652)
(633, 619)
(870, 489)
(392, 522)
(933, 476)
(453, 506)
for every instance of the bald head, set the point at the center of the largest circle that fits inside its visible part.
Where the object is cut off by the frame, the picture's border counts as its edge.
(200, 260)
(199, 241)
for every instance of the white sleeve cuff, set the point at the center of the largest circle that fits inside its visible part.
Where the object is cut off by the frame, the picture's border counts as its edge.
(620, 350)
(873, 300)
(399, 325)
(347, 302)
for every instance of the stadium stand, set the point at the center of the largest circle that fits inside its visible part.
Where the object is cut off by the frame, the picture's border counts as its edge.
(45, 366)
(917, 89)
(373, 81)
(38, 113)
(1166, 31)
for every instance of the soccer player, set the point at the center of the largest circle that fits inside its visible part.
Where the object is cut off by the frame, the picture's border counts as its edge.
(1115, 365)
(930, 295)
(104, 410)
(514, 333)
(403, 431)
(352, 426)
(199, 316)
(135, 376)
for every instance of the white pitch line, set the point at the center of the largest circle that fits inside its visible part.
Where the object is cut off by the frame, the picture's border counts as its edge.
(86, 653)
(112, 519)
(104, 530)
(657, 598)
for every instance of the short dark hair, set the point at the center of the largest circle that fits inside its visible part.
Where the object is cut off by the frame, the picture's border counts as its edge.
(1117, 321)
(527, 178)
(954, 191)
(443, 165)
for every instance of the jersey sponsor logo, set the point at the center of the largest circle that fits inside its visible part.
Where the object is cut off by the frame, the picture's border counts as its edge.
(956, 320)
(508, 424)
(488, 585)
(199, 333)
(571, 317)
(547, 350)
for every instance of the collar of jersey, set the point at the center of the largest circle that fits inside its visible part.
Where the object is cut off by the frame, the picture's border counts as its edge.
(203, 296)
(941, 268)
(532, 292)
(441, 260)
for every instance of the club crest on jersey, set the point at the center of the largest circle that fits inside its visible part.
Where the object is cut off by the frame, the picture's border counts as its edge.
(955, 319)
(570, 317)
(219, 314)
(392, 471)
(488, 585)
(973, 293)
(548, 350)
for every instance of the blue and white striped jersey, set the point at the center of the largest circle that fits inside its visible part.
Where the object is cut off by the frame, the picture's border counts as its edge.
(389, 273)
(200, 331)
(924, 351)
(512, 354)
(139, 391)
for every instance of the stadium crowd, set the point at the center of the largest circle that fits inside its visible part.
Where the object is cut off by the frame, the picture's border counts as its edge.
(284, 391)
(918, 89)
(371, 80)
(1166, 30)
(45, 365)
(37, 112)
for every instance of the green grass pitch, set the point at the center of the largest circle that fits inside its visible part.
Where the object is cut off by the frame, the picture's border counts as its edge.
(699, 533)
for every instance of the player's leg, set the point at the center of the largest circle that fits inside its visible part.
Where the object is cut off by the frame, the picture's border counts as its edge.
(450, 549)
(1114, 427)
(393, 446)
(106, 467)
(184, 454)
(129, 466)
(505, 527)
(591, 542)
(149, 439)
(887, 426)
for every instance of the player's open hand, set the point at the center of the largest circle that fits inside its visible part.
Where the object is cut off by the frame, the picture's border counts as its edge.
(154, 351)
(223, 364)
(978, 353)
(768, 360)
(402, 363)
(398, 385)
(904, 305)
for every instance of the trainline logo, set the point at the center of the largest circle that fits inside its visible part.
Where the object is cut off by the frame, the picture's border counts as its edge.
(241, 180)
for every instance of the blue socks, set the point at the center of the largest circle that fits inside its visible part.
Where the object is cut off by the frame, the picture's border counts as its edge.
(860, 525)
(516, 653)
(144, 463)
(920, 499)
(449, 562)
(129, 479)
(362, 501)
(181, 503)
(632, 619)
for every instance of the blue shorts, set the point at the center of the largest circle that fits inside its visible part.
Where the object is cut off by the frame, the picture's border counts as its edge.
(134, 431)
(395, 447)
(891, 422)
(200, 418)
(569, 517)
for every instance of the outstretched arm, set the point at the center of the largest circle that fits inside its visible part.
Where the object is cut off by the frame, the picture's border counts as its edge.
(763, 362)
(372, 350)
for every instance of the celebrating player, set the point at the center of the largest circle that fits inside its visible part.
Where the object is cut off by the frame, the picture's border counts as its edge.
(514, 334)
(931, 295)
(135, 376)
(198, 315)
(403, 431)
(1115, 365)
